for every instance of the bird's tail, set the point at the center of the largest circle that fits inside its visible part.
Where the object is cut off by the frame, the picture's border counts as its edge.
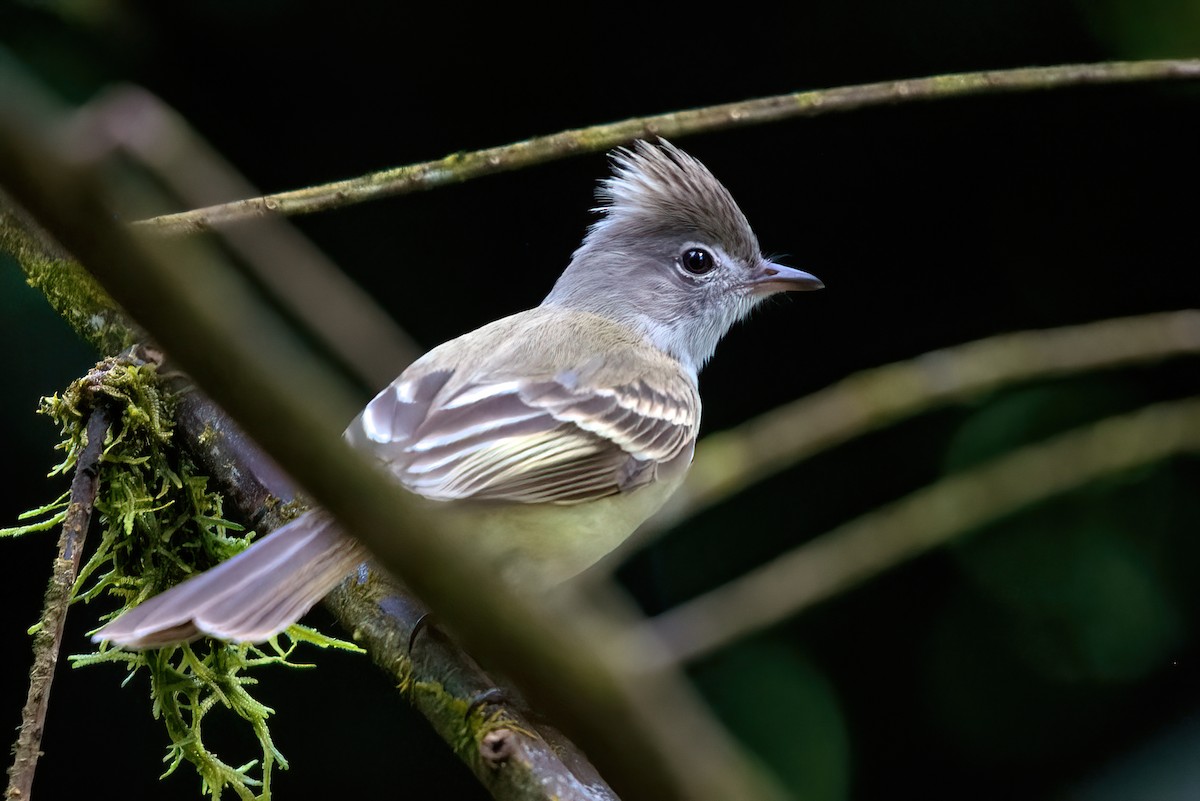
(252, 596)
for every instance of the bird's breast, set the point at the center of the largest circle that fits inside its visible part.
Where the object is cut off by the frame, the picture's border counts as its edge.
(537, 546)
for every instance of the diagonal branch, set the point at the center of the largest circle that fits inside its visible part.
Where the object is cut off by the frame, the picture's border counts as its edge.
(932, 516)
(459, 167)
(346, 319)
(730, 461)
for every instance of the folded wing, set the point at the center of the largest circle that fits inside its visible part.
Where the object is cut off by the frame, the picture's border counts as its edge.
(558, 439)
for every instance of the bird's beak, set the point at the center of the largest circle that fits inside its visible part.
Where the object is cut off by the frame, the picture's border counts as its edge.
(769, 278)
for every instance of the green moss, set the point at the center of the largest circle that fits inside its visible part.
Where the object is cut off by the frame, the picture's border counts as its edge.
(447, 713)
(69, 288)
(160, 523)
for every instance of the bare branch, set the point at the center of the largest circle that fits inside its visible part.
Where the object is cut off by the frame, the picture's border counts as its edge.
(47, 640)
(459, 167)
(730, 461)
(932, 516)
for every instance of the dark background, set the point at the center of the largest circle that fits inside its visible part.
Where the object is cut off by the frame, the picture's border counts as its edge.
(1052, 656)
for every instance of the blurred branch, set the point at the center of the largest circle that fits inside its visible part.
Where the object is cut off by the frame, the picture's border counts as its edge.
(728, 462)
(644, 727)
(47, 637)
(354, 329)
(459, 167)
(932, 516)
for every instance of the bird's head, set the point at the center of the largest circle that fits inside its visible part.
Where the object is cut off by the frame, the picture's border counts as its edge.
(672, 255)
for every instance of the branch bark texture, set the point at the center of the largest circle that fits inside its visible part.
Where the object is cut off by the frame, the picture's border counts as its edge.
(459, 167)
(587, 680)
(47, 641)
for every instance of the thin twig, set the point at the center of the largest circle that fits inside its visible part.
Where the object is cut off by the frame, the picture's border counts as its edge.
(459, 167)
(730, 461)
(47, 640)
(932, 516)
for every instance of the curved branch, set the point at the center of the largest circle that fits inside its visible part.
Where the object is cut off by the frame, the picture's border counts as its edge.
(932, 516)
(459, 167)
(729, 461)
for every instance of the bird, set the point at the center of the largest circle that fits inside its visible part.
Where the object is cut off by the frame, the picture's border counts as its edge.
(549, 435)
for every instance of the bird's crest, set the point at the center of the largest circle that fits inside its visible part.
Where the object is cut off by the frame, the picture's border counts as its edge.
(659, 187)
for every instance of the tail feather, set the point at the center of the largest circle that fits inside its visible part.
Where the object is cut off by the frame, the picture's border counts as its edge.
(249, 598)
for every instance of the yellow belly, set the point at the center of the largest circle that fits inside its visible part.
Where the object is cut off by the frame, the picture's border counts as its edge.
(540, 545)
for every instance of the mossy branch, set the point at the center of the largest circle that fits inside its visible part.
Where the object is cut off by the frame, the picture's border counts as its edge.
(160, 523)
(459, 167)
(513, 755)
(71, 290)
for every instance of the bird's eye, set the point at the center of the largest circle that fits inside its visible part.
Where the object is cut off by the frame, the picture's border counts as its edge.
(697, 261)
